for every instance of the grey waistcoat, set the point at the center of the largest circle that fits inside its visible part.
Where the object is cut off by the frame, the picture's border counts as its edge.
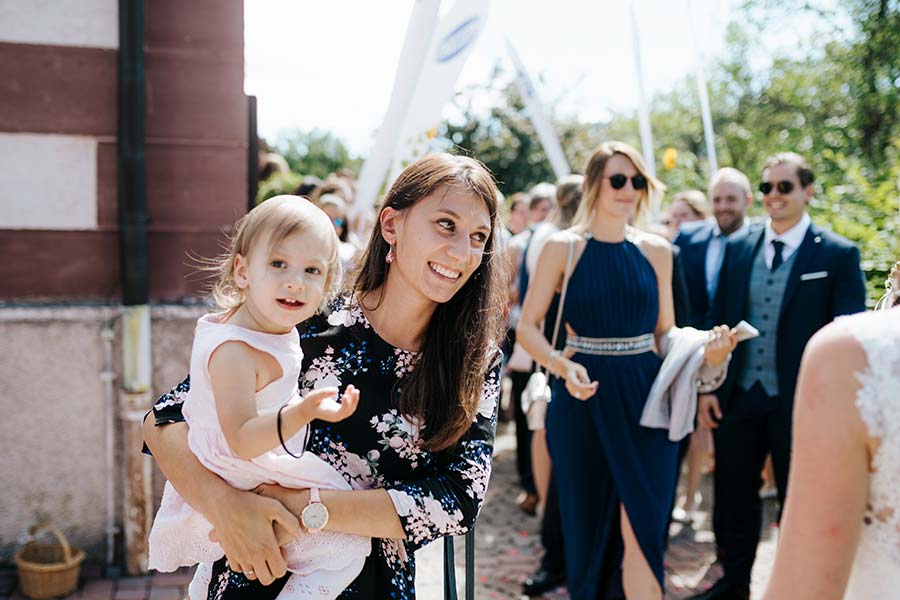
(766, 291)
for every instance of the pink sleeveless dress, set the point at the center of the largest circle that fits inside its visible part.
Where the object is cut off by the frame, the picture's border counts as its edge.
(323, 563)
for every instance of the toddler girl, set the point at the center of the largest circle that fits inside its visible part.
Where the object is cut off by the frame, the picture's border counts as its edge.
(247, 421)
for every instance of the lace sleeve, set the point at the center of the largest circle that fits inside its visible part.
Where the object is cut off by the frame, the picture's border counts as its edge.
(878, 403)
(876, 399)
(711, 378)
(448, 502)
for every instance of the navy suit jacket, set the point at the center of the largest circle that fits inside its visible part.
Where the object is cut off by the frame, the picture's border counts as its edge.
(808, 303)
(694, 244)
(680, 300)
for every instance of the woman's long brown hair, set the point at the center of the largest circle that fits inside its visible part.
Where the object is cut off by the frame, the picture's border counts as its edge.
(459, 344)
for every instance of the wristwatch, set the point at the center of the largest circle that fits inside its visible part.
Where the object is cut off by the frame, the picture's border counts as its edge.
(315, 516)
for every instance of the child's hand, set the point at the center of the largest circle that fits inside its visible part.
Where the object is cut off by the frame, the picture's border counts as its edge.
(323, 405)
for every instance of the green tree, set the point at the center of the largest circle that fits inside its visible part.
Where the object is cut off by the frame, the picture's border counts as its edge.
(315, 152)
(839, 105)
(836, 103)
(864, 43)
(505, 140)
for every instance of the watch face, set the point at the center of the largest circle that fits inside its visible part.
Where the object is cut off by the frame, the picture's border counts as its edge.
(314, 516)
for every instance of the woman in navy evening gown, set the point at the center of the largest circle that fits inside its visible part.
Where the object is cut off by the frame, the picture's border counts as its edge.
(615, 478)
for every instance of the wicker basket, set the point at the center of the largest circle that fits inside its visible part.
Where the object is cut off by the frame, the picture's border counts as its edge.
(48, 570)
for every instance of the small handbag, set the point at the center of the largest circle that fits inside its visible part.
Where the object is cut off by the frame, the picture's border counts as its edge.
(536, 395)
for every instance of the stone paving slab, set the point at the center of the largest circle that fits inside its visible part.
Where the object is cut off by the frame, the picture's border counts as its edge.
(507, 550)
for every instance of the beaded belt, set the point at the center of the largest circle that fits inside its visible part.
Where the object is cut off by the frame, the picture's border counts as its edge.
(611, 346)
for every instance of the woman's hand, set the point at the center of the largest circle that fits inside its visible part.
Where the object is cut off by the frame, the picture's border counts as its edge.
(294, 500)
(578, 382)
(708, 411)
(721, 342)
(243, 526)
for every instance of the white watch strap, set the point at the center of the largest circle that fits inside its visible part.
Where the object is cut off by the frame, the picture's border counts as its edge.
(314, 495)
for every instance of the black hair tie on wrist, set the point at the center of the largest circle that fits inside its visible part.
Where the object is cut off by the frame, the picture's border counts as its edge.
(281, 437)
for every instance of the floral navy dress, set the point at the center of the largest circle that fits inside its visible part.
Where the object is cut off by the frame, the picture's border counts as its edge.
(435, 493)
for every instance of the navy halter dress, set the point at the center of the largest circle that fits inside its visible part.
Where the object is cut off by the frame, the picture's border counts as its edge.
(602, 457)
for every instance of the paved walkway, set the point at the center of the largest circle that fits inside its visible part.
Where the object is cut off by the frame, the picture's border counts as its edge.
(507, 551)
(508, 545)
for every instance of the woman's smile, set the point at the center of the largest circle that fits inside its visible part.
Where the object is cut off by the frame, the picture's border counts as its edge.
(444, 272)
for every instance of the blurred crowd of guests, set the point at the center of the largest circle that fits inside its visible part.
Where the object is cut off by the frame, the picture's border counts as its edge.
(743, 431)
(726, 267)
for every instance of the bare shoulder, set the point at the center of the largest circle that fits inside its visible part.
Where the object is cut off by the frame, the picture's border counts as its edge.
(834, 351)
(232, 349)
(235, 353)
(564, 236)
(656, 248)
(557, 245)
(650, 241)
(828, 371)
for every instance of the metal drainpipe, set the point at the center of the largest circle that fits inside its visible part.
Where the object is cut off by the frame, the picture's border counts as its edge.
(108, 377)
(136, 393)
(252, 153)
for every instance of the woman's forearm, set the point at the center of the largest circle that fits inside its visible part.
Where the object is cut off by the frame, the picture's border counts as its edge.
(249, 528)
(532, 339)
(363, 512)
(360, 512)
(202, 489)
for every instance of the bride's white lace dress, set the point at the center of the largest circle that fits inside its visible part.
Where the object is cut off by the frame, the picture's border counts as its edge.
(876, 567)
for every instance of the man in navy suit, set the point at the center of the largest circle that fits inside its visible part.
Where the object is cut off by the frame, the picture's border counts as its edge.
(703, 247)
(789, 279)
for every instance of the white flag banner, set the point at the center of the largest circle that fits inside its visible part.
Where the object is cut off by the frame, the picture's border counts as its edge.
(422, 23)
(643, 110)
(703, 94)
(542, 125)
(452, 43)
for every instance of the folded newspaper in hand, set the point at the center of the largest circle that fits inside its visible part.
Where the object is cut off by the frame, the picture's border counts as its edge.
(744, 331)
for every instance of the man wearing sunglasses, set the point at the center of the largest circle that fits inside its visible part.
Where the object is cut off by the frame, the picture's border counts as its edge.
(788, 278)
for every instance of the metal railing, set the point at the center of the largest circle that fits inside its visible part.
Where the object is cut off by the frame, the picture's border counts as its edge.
(450, 591)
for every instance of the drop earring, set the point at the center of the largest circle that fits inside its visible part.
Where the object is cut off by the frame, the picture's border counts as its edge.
(390, 255)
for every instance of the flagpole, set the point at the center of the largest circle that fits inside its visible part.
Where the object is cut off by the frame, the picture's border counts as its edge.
(415, 46)
(643, 108)
(702, 90)
(542, 125)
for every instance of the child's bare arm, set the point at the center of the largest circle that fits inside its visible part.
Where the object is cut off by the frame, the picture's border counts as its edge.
(234, 370)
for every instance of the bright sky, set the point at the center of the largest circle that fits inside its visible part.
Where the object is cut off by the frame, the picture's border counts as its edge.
(330, 65)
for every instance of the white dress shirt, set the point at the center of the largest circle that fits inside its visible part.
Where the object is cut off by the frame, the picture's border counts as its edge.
(715, 252)
(792, 238)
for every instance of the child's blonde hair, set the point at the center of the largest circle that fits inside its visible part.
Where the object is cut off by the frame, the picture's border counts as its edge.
(277, 217)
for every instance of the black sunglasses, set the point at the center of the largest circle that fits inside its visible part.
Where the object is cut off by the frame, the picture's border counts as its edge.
(619, 180)
(784, 187)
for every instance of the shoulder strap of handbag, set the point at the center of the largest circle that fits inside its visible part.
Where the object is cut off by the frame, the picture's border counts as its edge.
(562, 295)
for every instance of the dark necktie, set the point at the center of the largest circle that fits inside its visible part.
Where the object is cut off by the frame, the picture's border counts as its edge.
(778, 258)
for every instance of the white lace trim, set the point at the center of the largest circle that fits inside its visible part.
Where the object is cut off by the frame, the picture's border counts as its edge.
(878, 402)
